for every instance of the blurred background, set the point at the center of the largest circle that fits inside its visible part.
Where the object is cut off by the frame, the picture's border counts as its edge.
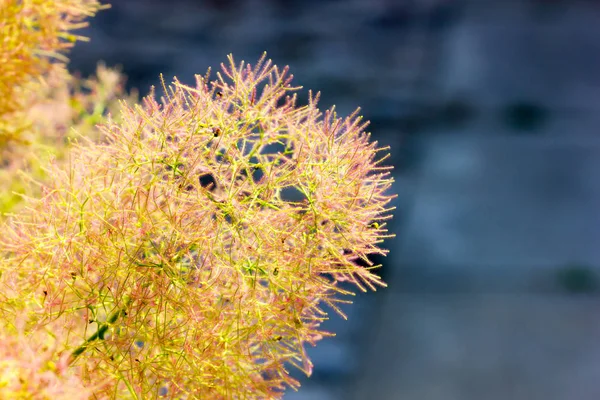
(491, 112)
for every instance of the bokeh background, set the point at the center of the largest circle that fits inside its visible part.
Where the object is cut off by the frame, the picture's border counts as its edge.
(491, 111)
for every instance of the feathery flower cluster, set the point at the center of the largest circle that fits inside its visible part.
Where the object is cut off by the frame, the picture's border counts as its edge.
(40, 102)
(197, 249)
(31, 367)
(32, 34)
(65, 106)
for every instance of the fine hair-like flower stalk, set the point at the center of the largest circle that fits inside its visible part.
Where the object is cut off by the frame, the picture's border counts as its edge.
(198, 248)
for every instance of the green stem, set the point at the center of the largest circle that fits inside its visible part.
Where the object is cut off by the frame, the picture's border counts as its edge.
(101, 332)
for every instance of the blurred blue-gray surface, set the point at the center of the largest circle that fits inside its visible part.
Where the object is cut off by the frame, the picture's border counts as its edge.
(491, 109)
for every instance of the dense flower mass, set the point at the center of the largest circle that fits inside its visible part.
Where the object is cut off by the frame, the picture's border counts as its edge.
(32, 368)
(32, 34)
(199, 246)
(64, 107)
(40, 102)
